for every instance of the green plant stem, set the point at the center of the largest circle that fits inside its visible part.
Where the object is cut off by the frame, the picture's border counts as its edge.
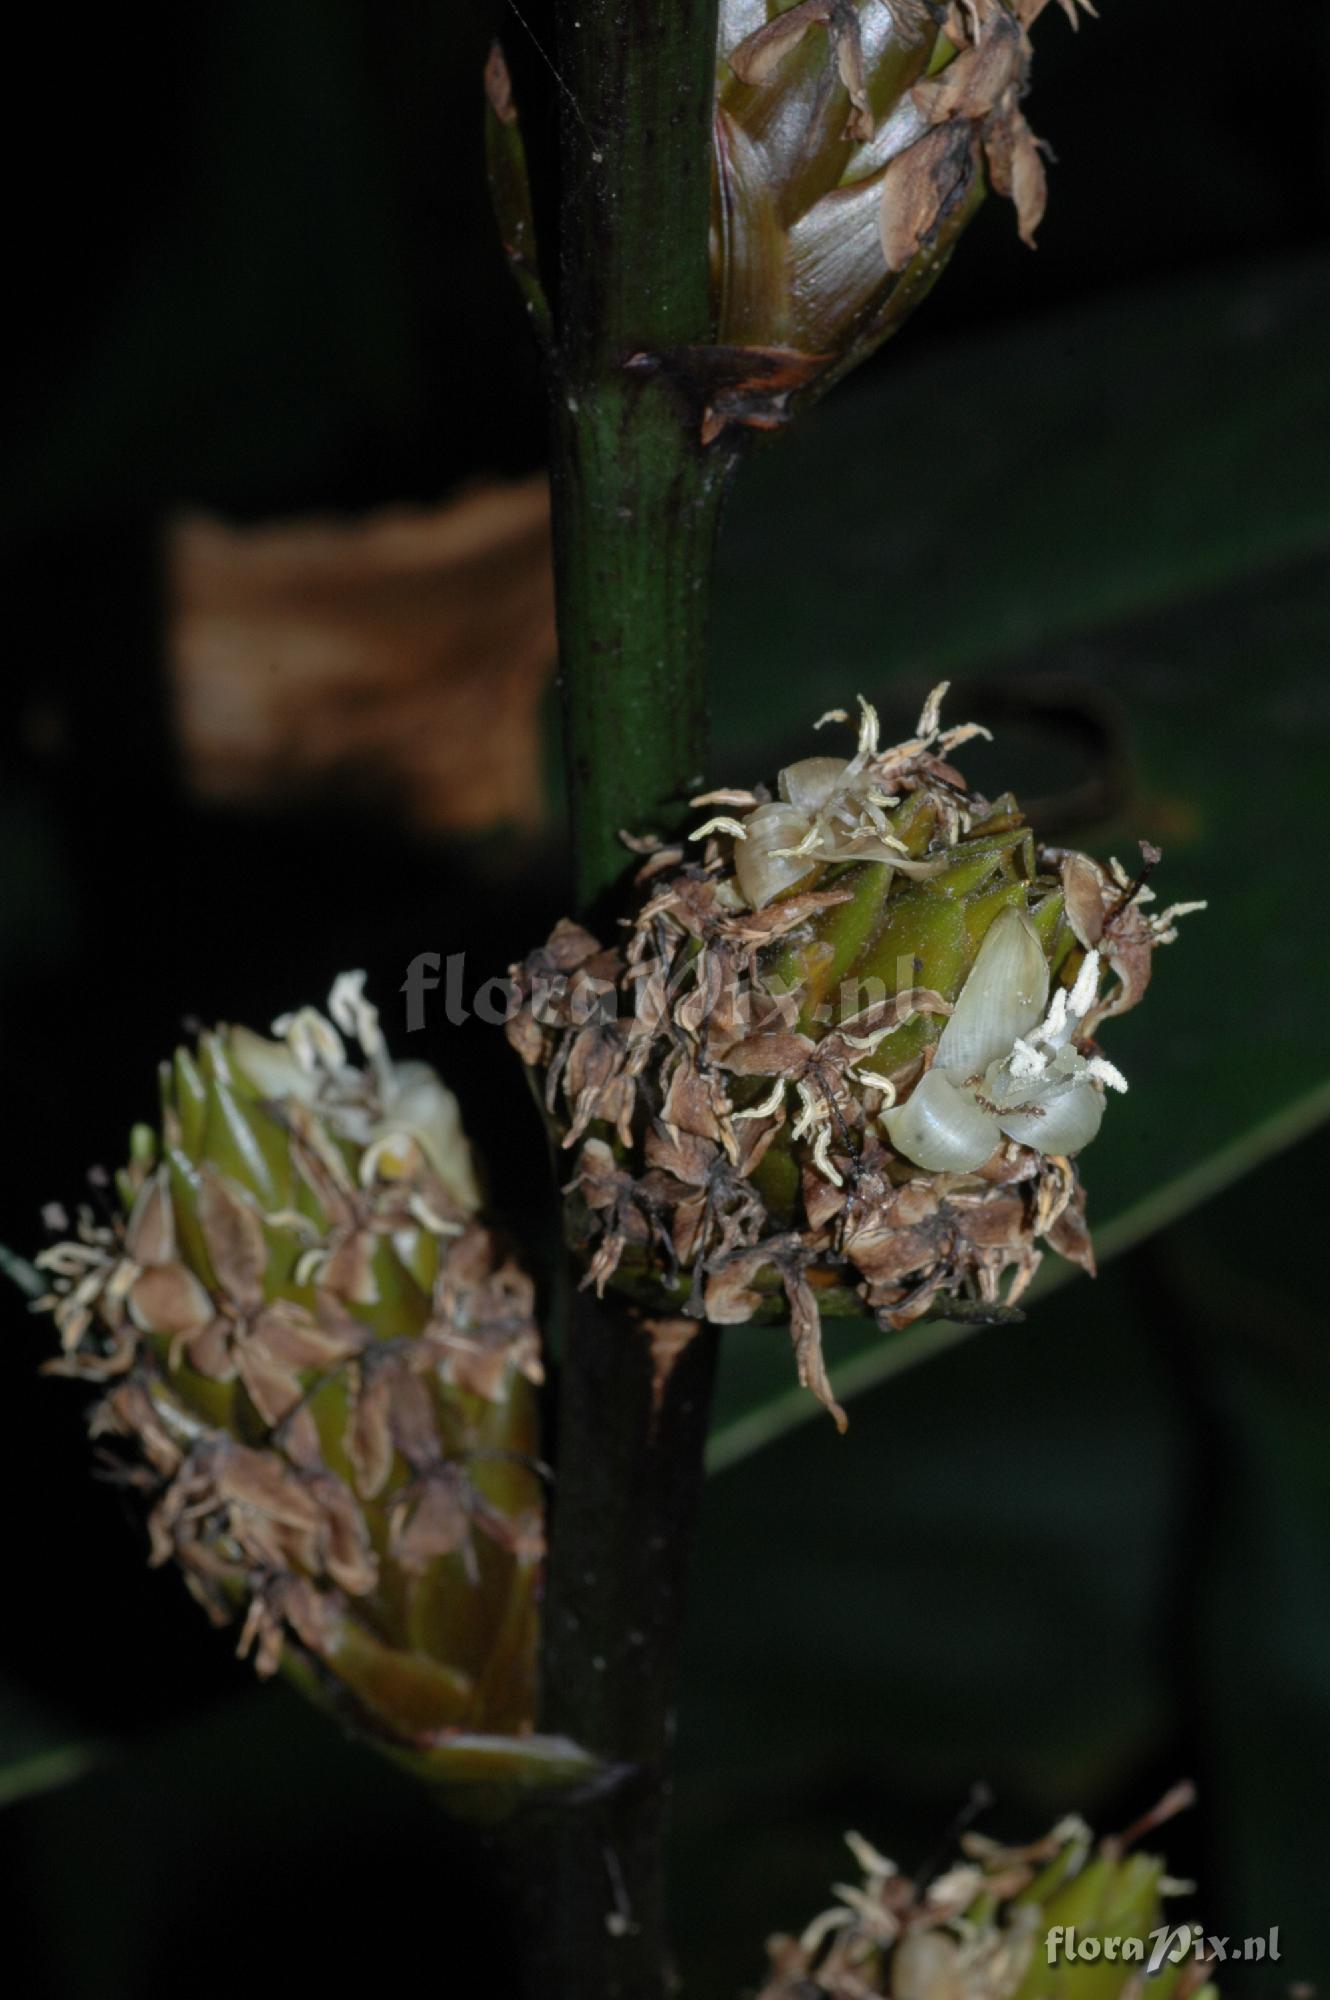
(636, 494)
(636, 514)
(636, 507)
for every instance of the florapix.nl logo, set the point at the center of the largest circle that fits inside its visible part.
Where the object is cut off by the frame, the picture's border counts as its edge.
(1168, 1944)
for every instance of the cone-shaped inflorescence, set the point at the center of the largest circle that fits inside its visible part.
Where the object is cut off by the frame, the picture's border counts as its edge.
(1001, 1923)
(845, 1051)
(320, 1364)
(852, 142)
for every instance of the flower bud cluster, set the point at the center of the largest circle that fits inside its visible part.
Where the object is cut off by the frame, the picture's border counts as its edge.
(319, 1365)
(981, 1929)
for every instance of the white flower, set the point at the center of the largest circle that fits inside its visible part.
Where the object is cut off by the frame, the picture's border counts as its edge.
(1003, 1067)
(385, 1107)
(830, 809)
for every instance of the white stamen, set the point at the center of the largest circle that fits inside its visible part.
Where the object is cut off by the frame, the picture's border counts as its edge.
(720, 824)
(1106, 1072)
(1026, 1060)
(822, 1156)
(868, 1857)
(430, 1219)
(769, 1103)
(355, 1015)
(812, 1110)
(309, 1266)
(866, 1042)
(1087, 986)
(312, 1040)
(1166, 920)
(927, 724)
(878, 1082)
(811, 841)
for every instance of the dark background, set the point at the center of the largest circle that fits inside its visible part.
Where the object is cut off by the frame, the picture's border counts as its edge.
(255, 272)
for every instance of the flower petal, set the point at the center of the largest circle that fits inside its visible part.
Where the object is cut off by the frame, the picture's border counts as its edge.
(419, 1103)
(809, 784)
(1068, 1117)
(942, 1127)
(271, 1067)
(1004, 996)
(761, 874)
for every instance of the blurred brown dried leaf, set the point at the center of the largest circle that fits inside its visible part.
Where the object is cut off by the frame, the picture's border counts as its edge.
(401, 655)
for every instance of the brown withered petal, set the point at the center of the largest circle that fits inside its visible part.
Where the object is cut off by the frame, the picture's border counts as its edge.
(344, 1544)
(273, 1388)
(1082, 898)
(368, 1438)
(280, 1345)
(150, 1236)
(690, 1102)
(754, 59)
(279, 1604)
(1070, 1237)
(233, 1234)
(569, 946)
(433, 1520)
(912, 17)
(850, 63)
(1028, 11)
(1016, 167)
(770, 1055)
(349, 1268)
(681, 1154)
(128, 1411)
(168, 1299)
(1128, 944)
(208, 1349)
(763, 926)
(481, 1363)
(920, 187)
(982, 74)
(806, 1334)
(412, 1417)
(251, 1479)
